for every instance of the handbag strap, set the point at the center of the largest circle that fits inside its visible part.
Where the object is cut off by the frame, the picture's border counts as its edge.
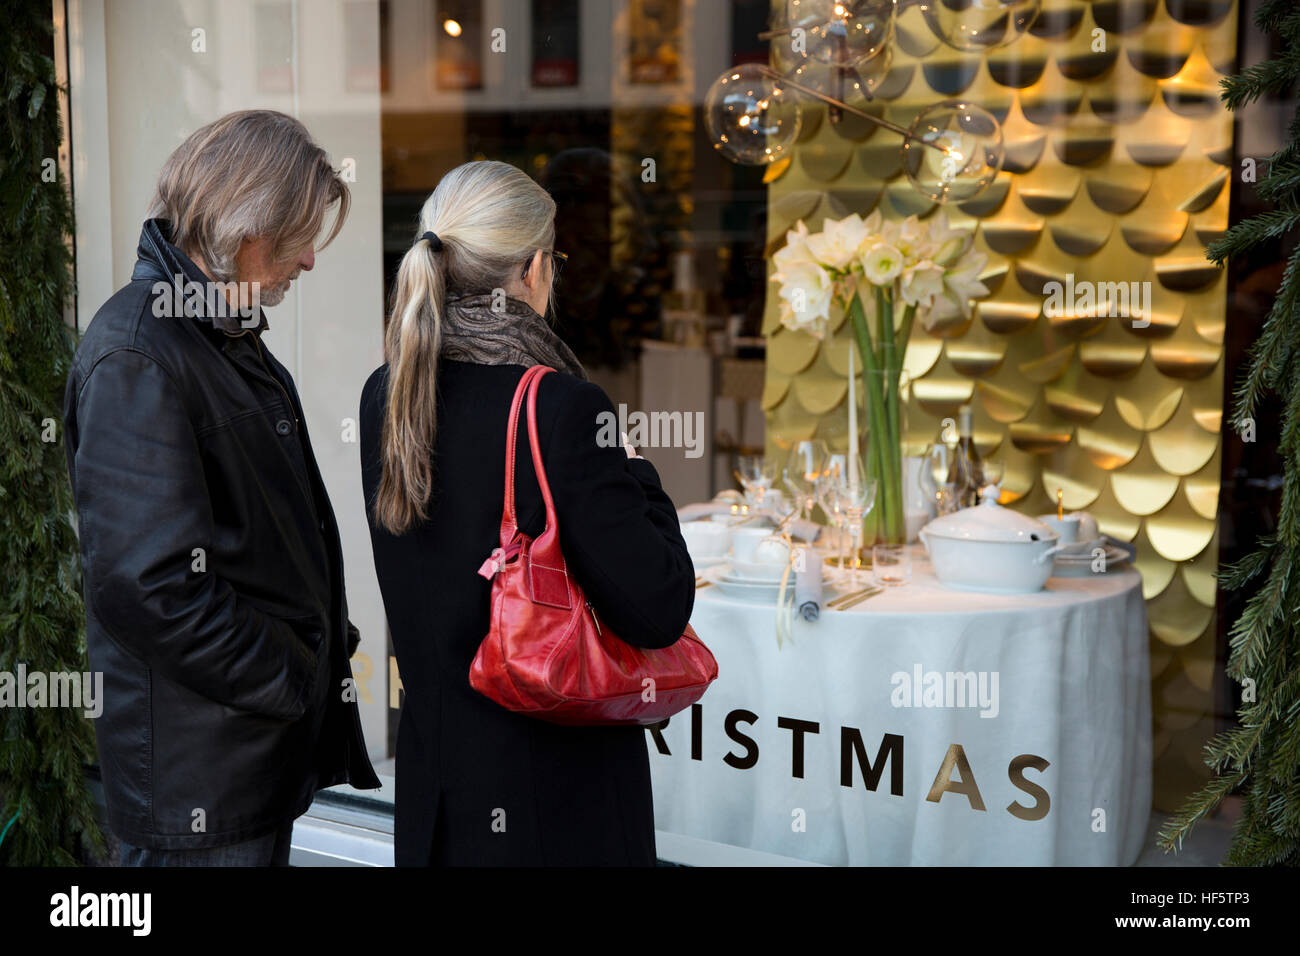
(546, 545)
(547, 574)
(509, 520)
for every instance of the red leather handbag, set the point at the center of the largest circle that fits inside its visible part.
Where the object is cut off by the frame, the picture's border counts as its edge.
(546, 654)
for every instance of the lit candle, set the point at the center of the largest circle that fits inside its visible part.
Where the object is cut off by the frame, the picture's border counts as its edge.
(853, 430)
(1060, 508)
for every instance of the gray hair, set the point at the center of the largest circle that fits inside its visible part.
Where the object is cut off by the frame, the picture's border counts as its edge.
(491, 219)
(250, 174)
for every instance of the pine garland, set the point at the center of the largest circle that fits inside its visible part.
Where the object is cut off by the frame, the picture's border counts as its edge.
(1263, 754)
(46, 812)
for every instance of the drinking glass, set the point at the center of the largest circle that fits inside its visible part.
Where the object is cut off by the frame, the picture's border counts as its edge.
(755, 474)
(938, 458)
(859, 498)
(806, 462)
(832, 501)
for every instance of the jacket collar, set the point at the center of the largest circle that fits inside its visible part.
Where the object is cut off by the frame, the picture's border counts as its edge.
(157, 259)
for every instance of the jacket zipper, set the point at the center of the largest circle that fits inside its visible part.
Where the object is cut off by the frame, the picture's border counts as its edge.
(594, 620)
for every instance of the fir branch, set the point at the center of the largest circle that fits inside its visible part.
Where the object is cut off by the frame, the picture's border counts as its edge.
(1248, 568)
(1262, 755)
(43, 750)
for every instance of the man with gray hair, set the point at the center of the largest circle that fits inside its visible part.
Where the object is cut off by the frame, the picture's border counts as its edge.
(213, 572)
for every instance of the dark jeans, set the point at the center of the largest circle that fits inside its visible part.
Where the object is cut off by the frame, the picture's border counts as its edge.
(269, 850)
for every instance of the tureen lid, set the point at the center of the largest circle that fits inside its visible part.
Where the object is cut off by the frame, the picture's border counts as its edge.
(989, 521)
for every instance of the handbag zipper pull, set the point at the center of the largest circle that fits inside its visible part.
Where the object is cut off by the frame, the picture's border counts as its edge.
(595, 620)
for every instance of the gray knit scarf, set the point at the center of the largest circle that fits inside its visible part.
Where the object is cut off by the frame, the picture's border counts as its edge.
(473, 332)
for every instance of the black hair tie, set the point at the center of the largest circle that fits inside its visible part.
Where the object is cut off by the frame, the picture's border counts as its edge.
(434, 242)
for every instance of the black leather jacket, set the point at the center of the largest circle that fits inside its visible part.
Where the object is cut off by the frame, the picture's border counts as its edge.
(213, 571)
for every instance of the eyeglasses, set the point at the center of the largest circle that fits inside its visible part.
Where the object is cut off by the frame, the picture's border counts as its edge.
(558, 259)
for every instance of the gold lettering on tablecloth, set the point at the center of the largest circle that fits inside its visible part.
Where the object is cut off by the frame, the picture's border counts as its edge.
(943, 782)
(1042, 799)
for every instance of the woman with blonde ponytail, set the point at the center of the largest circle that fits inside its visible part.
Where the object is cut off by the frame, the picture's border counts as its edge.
(478, 784)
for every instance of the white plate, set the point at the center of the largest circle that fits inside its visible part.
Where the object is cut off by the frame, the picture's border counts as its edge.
(753, 571)
(758, 592)
(1080, 565)
(701, 563)
(1082, 548)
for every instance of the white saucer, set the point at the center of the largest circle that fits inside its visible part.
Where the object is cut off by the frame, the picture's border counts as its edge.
(1081, 547)
(1080, 565)
(753, 571)
(757, 592)
(701, 563)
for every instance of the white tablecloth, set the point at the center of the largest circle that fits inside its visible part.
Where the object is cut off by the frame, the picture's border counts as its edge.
(1073, 698)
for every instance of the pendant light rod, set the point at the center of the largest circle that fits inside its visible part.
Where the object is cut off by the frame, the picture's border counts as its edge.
(840, 104)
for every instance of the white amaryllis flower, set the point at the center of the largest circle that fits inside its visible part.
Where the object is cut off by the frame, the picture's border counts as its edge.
(881, 264)
(941, 312)
(794, 252)
(950, 244)
(932, 264)
(837, 245)
(963, 282)
(961, 285)
(913, 240)
(920, 282)
(806, 293)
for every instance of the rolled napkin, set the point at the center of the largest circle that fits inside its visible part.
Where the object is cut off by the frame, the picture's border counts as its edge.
(808, 585)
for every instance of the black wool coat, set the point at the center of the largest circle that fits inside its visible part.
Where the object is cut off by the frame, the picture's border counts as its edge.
(476, 783)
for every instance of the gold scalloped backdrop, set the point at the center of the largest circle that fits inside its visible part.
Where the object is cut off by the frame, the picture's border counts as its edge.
(1116, 170)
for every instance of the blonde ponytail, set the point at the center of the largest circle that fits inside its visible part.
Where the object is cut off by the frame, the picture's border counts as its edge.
(490, 218)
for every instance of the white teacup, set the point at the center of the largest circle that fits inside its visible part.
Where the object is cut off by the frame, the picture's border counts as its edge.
(744, 542)
(706, 539)
(1088, 530)
(1067, 527)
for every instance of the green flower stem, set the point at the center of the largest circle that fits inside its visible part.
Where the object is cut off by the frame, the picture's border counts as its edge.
(885, 309)
(904, 335)
(884, 466)
(892, 509)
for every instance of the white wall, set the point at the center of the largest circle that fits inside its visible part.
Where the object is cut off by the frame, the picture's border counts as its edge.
(138, 88)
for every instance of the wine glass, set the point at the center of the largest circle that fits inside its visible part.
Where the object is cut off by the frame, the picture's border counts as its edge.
(755, 474)
(806, 462)
(859, 498)
(939, 460)
(832, 502)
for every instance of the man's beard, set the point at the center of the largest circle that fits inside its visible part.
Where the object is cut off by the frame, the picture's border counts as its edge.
(272, 295)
